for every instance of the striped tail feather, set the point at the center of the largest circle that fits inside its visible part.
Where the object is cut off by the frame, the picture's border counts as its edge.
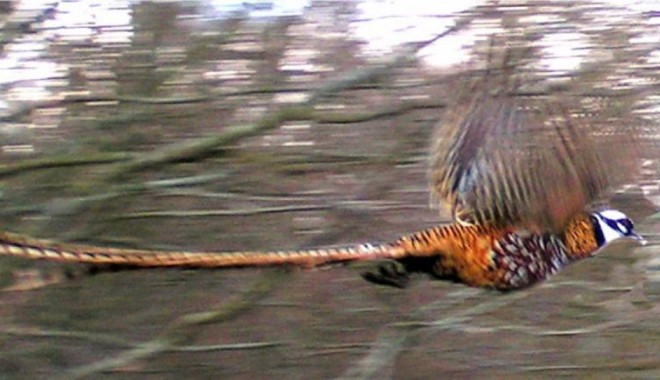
(27, 247)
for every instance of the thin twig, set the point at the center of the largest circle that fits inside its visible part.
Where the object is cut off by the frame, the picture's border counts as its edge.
(210, 213)
(66, 160)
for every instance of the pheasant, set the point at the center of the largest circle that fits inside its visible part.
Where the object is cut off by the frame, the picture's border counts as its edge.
(519, 184)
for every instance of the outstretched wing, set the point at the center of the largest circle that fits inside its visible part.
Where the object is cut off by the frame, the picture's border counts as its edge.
(504, 159)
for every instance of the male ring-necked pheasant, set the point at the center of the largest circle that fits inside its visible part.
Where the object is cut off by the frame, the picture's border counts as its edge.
(519, 181)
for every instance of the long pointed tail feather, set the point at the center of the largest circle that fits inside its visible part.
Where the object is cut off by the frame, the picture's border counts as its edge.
(27, 247)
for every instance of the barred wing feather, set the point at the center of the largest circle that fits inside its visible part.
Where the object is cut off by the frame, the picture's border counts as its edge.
(500, 160)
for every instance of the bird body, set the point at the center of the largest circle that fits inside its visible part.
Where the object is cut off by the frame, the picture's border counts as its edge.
(491, 257)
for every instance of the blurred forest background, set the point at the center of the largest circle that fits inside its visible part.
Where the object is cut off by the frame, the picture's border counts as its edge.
(225, 125)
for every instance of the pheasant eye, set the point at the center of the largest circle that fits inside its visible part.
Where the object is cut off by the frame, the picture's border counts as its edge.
(626, 224)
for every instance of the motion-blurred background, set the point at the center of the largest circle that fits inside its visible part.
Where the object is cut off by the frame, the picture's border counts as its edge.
(225, 125)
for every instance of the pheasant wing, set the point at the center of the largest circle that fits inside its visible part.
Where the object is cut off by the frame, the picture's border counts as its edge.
(501, 159)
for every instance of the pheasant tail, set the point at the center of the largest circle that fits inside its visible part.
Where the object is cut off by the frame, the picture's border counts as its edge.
(22, 246)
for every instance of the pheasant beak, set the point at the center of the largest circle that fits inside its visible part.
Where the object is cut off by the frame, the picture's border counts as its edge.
(640, 240)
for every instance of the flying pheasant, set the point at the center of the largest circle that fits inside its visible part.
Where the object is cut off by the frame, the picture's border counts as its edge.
(520, 177)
